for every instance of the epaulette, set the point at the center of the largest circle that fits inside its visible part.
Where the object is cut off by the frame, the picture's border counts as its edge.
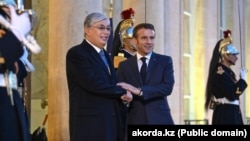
(220, 70)
(238, 91)
(2, 32)
(119, 58)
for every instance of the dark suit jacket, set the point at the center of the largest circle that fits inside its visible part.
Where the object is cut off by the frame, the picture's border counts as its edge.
(152, 107)
(94, 98)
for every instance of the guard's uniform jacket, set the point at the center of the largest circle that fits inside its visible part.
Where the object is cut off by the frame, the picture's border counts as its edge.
(227, 91)
(13, 119)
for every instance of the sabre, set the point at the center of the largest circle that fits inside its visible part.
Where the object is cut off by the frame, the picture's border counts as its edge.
(20, 8)
(20, 5)
(240, 32)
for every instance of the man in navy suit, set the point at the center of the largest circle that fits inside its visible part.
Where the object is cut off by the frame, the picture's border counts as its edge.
(149, 105)
(95, 100)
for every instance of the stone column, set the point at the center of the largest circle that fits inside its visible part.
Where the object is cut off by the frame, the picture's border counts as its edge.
(211, 37)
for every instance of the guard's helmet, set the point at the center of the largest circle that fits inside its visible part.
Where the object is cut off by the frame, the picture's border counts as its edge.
(126, 27)
(124, 30)
(226, 46)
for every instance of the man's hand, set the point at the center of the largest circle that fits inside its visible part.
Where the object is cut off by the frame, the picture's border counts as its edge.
(130, 88)
(243, 73)
(128, 97)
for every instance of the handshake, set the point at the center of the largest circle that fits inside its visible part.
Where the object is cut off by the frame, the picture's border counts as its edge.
(131, 90)
(243, 73)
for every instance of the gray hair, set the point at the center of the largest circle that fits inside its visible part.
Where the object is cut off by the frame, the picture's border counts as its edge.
(94, 17)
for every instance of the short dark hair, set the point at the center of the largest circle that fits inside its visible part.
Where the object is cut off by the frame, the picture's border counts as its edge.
(142, 25)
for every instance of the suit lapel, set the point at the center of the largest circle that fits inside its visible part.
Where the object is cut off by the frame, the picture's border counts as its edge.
(95, 55)
(151, 66)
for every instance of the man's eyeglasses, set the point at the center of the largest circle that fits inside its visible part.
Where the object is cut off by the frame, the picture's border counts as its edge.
(102, 28)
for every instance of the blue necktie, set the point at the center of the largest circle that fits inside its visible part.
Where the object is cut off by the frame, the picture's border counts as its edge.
(104, 59)
(143, 71)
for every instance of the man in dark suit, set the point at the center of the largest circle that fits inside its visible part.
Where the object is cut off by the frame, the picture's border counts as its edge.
(149, 105)
(95, 100)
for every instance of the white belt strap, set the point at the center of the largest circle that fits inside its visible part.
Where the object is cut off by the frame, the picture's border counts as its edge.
(11, 81)
(226, 101)
(2, 81)
(11, 78)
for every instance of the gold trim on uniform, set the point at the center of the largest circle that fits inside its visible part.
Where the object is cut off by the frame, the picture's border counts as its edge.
(2, 32)
(119, 58)
(238, 91)
(220, 70)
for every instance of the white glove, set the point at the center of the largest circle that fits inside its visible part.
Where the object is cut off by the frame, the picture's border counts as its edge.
(25, 59)
(4, 22)
(21, 32)
(20, 24)
(243, 73)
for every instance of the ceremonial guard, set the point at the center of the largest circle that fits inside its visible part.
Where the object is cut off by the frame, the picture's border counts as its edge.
(123, 46)
(223, 88)
(15, 26)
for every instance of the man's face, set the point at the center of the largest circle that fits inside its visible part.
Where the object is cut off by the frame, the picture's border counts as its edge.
(232, 58)
(98, 33)
(145, 41)
(129, 44)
